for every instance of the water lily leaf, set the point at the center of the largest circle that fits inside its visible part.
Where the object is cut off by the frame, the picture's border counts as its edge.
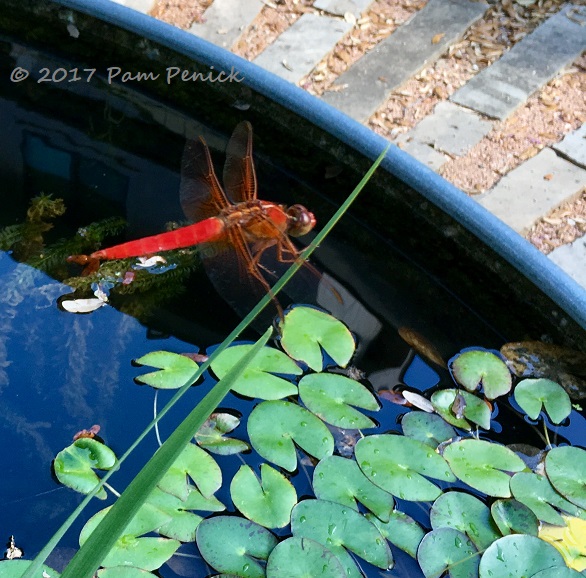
(331, 397)
(303, 558)
(533, 394)
(273, 426)
(124, 572)
(257, 380)
(476, 367)
(340, 480)
(306, 330)
(339, 528)
(16, 568)
(196, 501)
(518, 556)
(199, 466)
(569, 541)
(541, 498)
(558, 573)
(74, 465)
(400, 530)
(566, 469)
(175, 369)
(267, 502)
(427, 428)
(211, 435)
(483, 465)
(466, 514)
(234, 545)
(475, 409)
(398, 465)
(447, 549)
(513, 517)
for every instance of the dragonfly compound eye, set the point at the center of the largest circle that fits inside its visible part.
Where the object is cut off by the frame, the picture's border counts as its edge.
(301, 221)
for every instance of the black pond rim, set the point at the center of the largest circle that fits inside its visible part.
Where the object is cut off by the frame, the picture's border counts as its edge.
(542, 272)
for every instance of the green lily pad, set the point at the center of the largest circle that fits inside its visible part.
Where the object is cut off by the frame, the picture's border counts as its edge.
(427, 428)
(199, 466)
(541, 498)
(466, 514)
(16, 568)
(566, 469)
(475, 367)
(513, 517)
(398, 464)
(124, 572)
(475, 409)
(306, 330)
(447, 549)
(533, 394)
(74, 466)
(331, 397)
(175, 369)
(273, 426)
(483, 465)
(257, 380)
(211, 435)
(303, 558)
(340, 480)
(196, 501)
(518, 556)
(234, 545)
(558, 572)
(400, 530)
(267, 502)
(339, 528)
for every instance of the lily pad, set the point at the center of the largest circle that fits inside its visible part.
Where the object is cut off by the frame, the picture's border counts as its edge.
(533, 394)
(16, 568)
(447, 549)
(483, 465)
(331, 397)
(257, 380)
(124, 572)
(475, 409)
(475, 367)
(235, 545)
(267, 502)
(513, 517)
(569, 540)
(273, 426)
(305, 331)
(398, 464)
(199, 466)
(303, 558)
(541, 498)
(566, 469)
(518, 556)
(400, 530)
(466, 514)
(74, 466)
(427, 428)
(339, 528)
(558, 573)
(175, 369)
(340, 480)
(211, 435)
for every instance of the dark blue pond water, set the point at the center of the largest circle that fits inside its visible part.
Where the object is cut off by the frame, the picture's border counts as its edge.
(112, 151)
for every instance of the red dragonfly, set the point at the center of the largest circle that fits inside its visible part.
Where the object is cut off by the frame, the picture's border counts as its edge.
(238, 226)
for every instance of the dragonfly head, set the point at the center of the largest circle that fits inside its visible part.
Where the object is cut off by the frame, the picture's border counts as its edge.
(301, 221)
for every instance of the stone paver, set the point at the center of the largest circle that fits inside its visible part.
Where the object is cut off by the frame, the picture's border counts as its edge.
(425, 154)
(296, 52)
(224, 20)
(573, 146)
(394, 60)
(572, 259)
(342, 7)
(533, 189)
(499, 89)
(451, 129)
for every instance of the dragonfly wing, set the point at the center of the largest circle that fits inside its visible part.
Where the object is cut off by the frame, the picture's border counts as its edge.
(200, 193)
(239, 176)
